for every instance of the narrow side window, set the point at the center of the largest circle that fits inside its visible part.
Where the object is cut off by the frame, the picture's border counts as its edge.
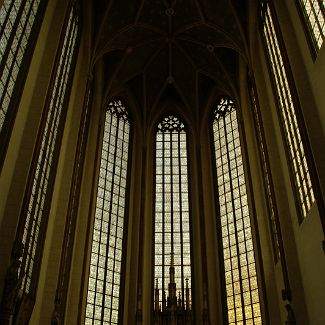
(103, 295)
(243, 302)
(19, 24)
(287, 107)
(37, 200)
(313, 13)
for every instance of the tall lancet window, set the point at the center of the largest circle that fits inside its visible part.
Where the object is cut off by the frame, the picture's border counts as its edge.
(103, 297)
(288, 106)
(242, 292)
(314, 18)
(172, 216)
(37, 199)
(19, 25)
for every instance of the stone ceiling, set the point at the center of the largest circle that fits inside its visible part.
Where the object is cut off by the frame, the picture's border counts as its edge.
(162, 49)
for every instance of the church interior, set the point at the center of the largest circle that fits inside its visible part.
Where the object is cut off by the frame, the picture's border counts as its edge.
(162, 162)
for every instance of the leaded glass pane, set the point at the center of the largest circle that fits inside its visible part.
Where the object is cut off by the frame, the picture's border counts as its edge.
(305, 193)
(17, 18)
(36, 218)
(172, 215)
(314, 13)
(107, 239)
(239, 260)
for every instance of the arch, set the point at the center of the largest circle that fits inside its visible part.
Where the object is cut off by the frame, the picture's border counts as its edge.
(169, 107)
(172, 236)
(108, 234)
(235, 234)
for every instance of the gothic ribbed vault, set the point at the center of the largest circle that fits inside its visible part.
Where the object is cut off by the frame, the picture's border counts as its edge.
(175, 50)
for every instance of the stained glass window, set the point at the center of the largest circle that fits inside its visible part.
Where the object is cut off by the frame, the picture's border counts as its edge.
(295, 145)
(17, 18)
(242, 291)
(107, 239)
(42, 178)
(172, 215)
(314, 14)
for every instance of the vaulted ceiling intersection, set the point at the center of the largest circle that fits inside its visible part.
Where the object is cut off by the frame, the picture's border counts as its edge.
(166, 49)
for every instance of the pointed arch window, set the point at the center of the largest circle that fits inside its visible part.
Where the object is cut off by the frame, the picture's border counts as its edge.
(288, 107)
(37, 199)
(172, 215)
(313, 13)
(104, 282)
(19, 23)
(242, 291)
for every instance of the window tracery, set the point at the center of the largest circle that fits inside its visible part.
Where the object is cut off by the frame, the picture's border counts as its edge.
(172, 216)
(242, 292)
(107, 240)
